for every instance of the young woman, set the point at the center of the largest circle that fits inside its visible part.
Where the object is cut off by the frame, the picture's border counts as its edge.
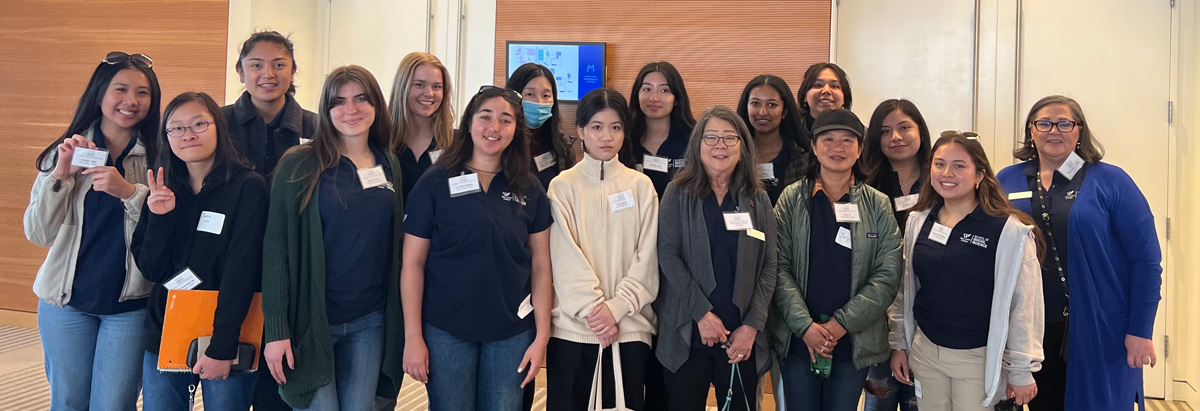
(603, 246)
(331, 256)
(768, 108)
(662, 121)
(201, 176)
(550, 149)
(421, 114)
(266, 120)
(825, 87)
(477, 263)
(896, 161)
(93, 298)
(839, 266)
(968, 318)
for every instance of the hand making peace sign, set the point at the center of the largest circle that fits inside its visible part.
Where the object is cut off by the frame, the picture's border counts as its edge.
(162, 199)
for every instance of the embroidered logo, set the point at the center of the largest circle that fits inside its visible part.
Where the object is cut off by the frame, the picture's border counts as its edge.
(975, 240)
(678, 163)
(1072, 194)
(507, 196)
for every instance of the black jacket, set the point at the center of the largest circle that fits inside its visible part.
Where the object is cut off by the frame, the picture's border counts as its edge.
(250, 132)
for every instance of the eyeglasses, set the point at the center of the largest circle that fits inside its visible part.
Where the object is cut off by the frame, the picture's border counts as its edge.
(197, 127)
(1065, 126)
(492, 91)
(118, 57)
(711, 140)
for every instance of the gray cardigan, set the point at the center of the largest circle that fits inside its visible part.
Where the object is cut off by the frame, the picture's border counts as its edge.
(687, 273)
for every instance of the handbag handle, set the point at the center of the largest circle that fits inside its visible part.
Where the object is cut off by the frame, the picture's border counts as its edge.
(596, 399)
(736, 372)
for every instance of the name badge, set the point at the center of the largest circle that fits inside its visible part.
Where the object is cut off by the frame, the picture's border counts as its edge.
(464, 184)
(621, 201)
(526, 307)
(917, 387)
(766, 171)
(1071, 166)
(939, 233)
(88, 158)
(846, 212)
(906, 202)
(757, 235)
(435, 155)
(1020, 195)
(185, 280)
(738, 221)
(843, 237)
(372, 177)
(211, 222)
(653, 163)
(544, 161)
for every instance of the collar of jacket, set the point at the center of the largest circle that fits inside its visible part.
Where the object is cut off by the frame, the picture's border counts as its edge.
(293, 114)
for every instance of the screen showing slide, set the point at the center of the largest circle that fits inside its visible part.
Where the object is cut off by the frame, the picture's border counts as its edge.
(578, 67)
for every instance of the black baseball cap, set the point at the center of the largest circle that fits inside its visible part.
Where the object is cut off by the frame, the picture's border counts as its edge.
(839, 119)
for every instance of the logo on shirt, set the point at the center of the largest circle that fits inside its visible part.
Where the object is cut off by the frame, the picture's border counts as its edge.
(507, 196)
(975, 240)
(1072, 194)
(678, 163)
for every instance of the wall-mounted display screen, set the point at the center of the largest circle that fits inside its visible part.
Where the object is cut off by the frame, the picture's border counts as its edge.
(578, 67)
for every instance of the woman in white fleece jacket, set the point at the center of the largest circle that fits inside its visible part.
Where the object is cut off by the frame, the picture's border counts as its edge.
(603, 247)
(968, 317)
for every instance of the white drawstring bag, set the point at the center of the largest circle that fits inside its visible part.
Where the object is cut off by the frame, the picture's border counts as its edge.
(596, 399)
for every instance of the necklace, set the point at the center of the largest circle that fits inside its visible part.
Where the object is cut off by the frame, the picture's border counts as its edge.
(478, 170)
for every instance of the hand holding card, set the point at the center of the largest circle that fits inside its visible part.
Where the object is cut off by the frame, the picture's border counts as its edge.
(64, 169)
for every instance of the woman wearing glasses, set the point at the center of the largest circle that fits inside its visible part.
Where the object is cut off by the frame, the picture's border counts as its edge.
(550, 149)
(1102, 273)
(204, 220)
(839, 267)
(476, 280)
(662, 122)
(84, 206)
(768, 108)
(331, 256)
(716, 247)
(421, 113)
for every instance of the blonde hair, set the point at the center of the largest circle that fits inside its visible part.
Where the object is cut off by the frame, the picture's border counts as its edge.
(443, 118)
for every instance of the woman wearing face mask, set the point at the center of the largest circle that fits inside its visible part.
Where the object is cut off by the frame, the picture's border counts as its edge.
(266, 120)
(603, 250)
(825, 87)
(92, 306)
(200, 173)
(421, 114)
(662, 121)
(550, 149)
(767, 106)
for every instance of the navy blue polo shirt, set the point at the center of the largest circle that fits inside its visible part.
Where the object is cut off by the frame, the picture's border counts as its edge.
(723, 247)
(829, 267)
(478, 270)
(954, 305)
(672, 149)
(1059, 200)
(100, 265)
(540, 143)
(411, 167)
(356, 226)
(890, 185)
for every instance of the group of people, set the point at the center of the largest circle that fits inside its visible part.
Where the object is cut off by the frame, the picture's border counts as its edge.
(387, 240)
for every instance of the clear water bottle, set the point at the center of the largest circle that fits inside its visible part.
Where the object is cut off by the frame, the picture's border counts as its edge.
(822, 366)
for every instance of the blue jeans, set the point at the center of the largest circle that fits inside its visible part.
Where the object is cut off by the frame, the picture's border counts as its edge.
(357, 358)
(470, 375)
(806, 391)
(78, 345)
(168, 391)
(898, 395)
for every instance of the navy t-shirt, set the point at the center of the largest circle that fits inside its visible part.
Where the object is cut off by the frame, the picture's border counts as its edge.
(672, 149)
(829, 267)
(723, 247)
(478, 270)
(411, 167)
(100, 265)
(356, 226)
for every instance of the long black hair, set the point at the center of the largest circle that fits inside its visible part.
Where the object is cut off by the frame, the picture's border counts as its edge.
(605, 98)
(517, 81)
(88, 111)
(226, 158)
(874, 163)
(514, 161)
(810, 77)
(681, 113)
(789, 126)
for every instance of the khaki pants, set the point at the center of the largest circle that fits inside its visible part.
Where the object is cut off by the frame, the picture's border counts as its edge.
(947, 379)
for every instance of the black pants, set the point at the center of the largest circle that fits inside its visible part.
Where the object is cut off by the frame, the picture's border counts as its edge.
(570, 367)
(656, 385)
(1052, 379)
(688, 386)
(266, 392)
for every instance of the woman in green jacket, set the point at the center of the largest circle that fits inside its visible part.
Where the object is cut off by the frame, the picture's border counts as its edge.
(837, 313)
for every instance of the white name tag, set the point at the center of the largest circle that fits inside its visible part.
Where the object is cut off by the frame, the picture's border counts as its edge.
(738, 221)
(939, 233)
(917, 387)
(185, 280)
(653, 163)
(757, 235)
(766, 171)
(211, 222)
(88, 158)
(435, 155)
(846, 212)
(372, 177)
(843, 237)
(906, 202)
(526, 307)
(544, 161)
(621, 201)
(1071, 166)
(1020, 195)
(464, 184)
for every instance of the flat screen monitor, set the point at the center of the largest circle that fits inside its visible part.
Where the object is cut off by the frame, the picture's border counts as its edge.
(578, 67)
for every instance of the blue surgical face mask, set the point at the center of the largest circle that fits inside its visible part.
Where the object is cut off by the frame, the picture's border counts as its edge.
(536, 114)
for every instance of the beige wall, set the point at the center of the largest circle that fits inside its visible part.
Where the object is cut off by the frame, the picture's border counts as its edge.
(1184, 245)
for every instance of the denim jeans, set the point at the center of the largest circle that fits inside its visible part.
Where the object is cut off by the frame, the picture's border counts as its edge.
(78, 346)
(898, 395)
(806, 391)
(357, 358)
(168, 391)
(471, 375)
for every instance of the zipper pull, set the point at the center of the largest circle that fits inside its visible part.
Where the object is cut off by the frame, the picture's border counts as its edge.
(601, 171)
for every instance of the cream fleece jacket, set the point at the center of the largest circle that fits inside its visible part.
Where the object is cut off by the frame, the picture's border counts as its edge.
(603, 249)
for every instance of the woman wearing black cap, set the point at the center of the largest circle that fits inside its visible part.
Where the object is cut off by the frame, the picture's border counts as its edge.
(837, 313)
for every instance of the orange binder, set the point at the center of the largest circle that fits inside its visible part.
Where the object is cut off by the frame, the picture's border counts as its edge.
(189, 316)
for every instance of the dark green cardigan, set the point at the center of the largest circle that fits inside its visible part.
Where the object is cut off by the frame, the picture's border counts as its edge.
(294, 286)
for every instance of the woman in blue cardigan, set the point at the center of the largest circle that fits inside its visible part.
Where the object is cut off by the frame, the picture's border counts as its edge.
(1102, 270)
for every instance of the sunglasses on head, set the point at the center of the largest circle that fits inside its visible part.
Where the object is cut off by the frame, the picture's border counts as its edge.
(118, 57)
(492, 91)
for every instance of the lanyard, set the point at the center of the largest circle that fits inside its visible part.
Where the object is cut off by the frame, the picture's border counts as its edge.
(1048, 228)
